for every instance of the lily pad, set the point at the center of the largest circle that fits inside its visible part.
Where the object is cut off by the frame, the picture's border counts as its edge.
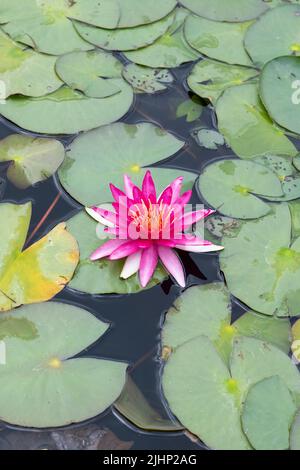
(279, 90)
(289, 177)
(296, 341)
(191, 109)
(267, 414)
(124, 39)
(262, 265)
(218, 225)
(274, 34)
(103, 276)
(25, 72)
(208, 138)
(231, 10)
(94, 160)
(246, 125)
(221, 41)
(90, 72)
(147, 80)
(231, 186)
(32, 159)
(42, 270)
(41, 385)
(209, 79)
(170, 50)
(295, 433)
(67, 111)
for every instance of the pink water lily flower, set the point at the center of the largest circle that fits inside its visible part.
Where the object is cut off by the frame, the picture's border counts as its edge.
(148, 228)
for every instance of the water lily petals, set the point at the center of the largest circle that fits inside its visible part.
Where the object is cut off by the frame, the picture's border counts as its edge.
(200, 248)
(132, 265)
(128, 185)
(191, 218)
(117, 193)
(172, 263)
(176, 188)
(184, 198)
(166, 196)
(148, 187)
(102, 215)
(127, 248)
(149, 262)
(106, 249)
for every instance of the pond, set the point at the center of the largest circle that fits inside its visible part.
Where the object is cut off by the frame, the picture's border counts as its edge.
(92, 361)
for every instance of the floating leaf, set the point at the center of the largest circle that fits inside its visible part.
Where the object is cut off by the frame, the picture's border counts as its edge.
(94, 160)
(267, 414)
(42, 270)
(41, 386)
(274, 34)
(295, 433)
(231, 10)
(103, 276)
(32, 159)
(208, 138)
(294, 207)
(67, 111)
(191, 109)
(247, 127)
(279, 90)
(296, 341)
(147, 80)
(209, 79)
(262, 265)
(90, 72)
(170, 50)
(135, 408)
(25, 72)
(231, 186)
(124, 39)
(221, 41)
(289, 177)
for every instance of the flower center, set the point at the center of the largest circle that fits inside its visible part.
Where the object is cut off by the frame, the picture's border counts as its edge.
(151, 221)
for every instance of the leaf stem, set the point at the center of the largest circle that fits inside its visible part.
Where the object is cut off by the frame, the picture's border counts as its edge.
(44, 218)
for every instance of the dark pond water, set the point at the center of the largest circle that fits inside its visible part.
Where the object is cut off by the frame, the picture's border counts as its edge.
(136, 319)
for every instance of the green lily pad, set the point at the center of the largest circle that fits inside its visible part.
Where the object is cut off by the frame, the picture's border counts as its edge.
(191, 109)
(124, 39)
(25, 72)
(209, 79)
(231, 10)
(208, 138)
(42, 270)
(147, 80)
(86, 175)
(289, 177)
(217, 226)
(67, 111)
(11, 327)
(231, 186)
(206, 310)
(262, 265)
(41, 385)
(246, 125)
(221, 41)
(103, 276)
(267, 414)
(295, 433)
(274, 34)
(90, 72)
(294, 207)
(195, 384)
(279, 90)
(296, 162)
(170, 50)
(32, 159)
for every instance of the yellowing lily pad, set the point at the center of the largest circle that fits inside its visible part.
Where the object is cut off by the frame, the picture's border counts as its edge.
(124, 39)
(90, 72)
(268, 413)
(221, 41)
(246, 125)
(231, 186)
(67, 111)
(94, 160)
(32, 159)
(25, 72)
(41, 385)
(170, 50)
(274, 34)
(209, 79)
(231, 10)
(103, 276)
(42, 270)
(262, 265)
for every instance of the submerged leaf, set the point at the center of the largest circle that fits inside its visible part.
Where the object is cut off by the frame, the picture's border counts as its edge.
(147, 80)
(208, 138)
(191, 109)
(32, 159)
